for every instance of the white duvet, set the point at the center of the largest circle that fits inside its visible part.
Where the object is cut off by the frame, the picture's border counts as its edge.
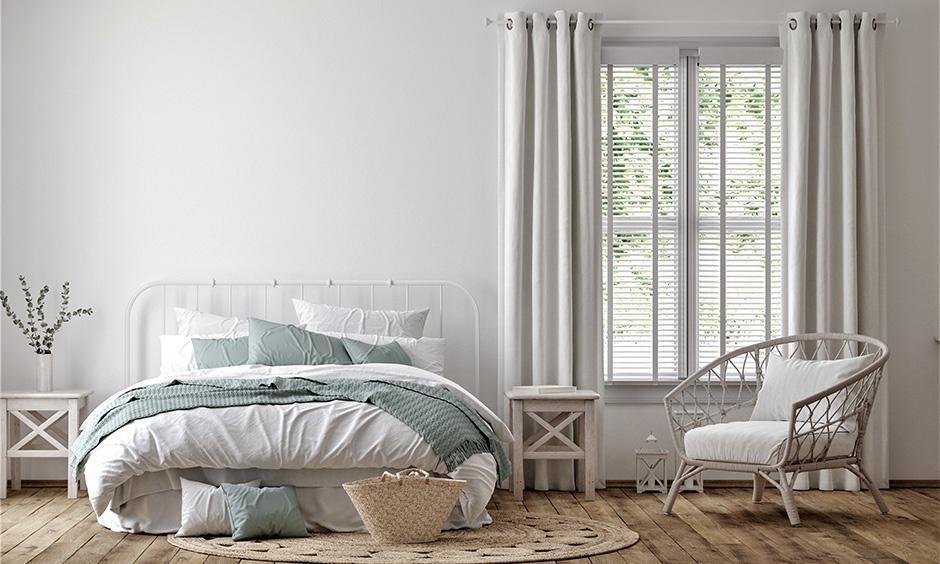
(136, 469)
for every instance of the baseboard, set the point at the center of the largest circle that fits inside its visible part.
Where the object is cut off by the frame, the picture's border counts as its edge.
(914, 483)
(42, 484)
(610, 483)
(707, 483)
(749, 483)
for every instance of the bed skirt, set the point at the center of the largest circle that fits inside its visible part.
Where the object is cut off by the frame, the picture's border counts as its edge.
(153, 502)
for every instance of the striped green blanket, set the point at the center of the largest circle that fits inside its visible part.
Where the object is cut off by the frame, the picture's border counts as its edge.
(454, 430)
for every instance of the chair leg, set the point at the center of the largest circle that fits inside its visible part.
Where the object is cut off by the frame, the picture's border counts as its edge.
(674, 490)
(759, 483)
(870, 484)
(789, 503)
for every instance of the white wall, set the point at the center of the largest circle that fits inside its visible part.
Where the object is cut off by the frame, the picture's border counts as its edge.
(147, 140)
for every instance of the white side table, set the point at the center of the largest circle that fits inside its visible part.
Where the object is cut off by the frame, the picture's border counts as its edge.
(27, 407)
(575, 409)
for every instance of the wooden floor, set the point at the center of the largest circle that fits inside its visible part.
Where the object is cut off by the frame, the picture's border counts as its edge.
(43, 526)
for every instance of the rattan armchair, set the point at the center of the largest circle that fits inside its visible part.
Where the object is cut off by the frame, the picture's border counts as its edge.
(824, 430)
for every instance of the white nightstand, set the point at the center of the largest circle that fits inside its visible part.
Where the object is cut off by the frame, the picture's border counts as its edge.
(31, 408)
(575, 407)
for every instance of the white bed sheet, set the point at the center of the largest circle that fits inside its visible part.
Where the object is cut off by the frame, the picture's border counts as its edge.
(341, 440)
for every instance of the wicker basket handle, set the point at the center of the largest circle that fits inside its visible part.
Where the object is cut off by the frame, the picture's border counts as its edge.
(409, 473)
(414, 473)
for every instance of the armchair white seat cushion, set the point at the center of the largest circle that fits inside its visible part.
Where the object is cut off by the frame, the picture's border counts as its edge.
(755, 442)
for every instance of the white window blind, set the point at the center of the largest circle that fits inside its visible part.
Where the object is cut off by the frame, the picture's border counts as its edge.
(691, 176)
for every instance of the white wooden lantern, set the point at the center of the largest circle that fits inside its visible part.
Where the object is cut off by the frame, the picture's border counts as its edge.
(651, 467)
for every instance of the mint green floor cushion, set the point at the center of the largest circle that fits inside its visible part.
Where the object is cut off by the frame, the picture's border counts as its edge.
(263, 512)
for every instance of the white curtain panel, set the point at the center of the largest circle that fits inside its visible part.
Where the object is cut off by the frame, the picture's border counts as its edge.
(550, 246)
(834, 198)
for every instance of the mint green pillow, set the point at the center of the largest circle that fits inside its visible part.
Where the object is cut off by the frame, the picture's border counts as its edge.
(275, 344)
(263, 512)
(364, 353)
(216, 353)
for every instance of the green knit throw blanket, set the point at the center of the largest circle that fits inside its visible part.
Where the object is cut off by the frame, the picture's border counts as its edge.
(453, 429)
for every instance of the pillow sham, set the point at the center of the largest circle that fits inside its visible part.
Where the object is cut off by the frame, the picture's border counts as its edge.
(190, 323)
(204, 512)
(788, 380)
(426, 353)
(216, 353)
(178, 353)
(263, 512)
(388, 323)
(365, 353)
(275, 344)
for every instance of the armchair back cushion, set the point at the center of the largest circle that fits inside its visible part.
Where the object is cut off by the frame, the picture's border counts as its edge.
(788, 380)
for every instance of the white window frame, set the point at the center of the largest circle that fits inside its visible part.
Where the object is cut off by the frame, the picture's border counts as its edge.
(687, 58)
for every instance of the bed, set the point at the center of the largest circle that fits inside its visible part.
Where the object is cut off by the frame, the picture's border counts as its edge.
(136, 472)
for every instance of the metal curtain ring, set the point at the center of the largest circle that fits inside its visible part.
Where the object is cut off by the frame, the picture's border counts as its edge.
(509, 24)
(840, 22)
(874, 24)
(793, 23)
(548, 23)
(591, 24)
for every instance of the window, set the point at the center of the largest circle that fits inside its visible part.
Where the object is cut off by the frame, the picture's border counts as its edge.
(691, 212)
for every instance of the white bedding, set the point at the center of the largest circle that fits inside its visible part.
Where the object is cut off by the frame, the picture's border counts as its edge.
(142, 462)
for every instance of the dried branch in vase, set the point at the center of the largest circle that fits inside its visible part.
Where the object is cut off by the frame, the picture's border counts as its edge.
(39, 332)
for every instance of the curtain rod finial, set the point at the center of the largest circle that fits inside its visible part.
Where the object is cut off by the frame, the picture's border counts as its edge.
(487, 21)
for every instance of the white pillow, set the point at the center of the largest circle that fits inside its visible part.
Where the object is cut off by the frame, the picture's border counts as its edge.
(204, 512)
(426, 353)
(788, 380)
(190, 323)
(322, 318)
(177, 354)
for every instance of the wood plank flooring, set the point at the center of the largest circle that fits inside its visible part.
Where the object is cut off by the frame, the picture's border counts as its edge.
(43, 526)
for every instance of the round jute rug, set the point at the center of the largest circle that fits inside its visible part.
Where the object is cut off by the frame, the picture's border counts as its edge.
(513, 536)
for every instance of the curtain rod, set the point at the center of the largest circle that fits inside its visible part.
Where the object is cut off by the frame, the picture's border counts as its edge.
(551, 21)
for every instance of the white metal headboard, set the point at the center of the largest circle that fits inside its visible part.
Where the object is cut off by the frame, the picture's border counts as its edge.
(264, 286)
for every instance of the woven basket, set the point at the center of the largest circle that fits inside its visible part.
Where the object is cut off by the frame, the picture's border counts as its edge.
(407, 507)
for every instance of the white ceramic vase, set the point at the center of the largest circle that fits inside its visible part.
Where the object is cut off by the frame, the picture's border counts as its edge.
(44, 372)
